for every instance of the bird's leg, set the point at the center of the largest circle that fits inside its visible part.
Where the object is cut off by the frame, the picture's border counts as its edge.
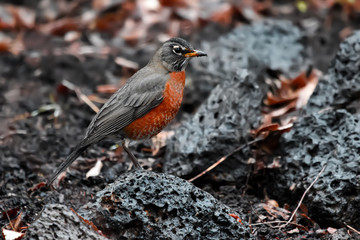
(133, 158)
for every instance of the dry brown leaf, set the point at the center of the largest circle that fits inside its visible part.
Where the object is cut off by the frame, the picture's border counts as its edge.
(295, 230)
(12, 17)
(175, 3)
(272, 202)
(274, 164)
(282, 111)
(17, 223)
(107, 88)
(159, 141)
(97, 99)
(113, 16)
(100, 4)
(126, 63)
(25, 17)
(4, 46)
(299, 88)
(276, 212)
(61, 26)
(344, 33)
(265, 128)
(37, 186)
(304, 209)
(293, 94)
(305, 92)
(224, 15)
(7, 18)
(331, 230)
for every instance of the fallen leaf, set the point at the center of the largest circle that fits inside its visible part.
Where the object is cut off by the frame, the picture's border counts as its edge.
(126, 63)
(95, 171)
(175, 3)
(295, 230)
(113, 16)
(224, 15)
(7, 18)
(159, 141)
(11, 235)
(108, 88)
(266, 128)
(4, 46)
(275, 211)
(344, 33)
(25, 17)
(274, 164)
(304, 209)
(37, 186)
(305, 92)
(97, 99)
(272, 202)
(17, 223)
(61, 26)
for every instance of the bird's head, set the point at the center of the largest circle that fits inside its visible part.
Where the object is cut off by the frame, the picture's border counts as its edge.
(176, 53)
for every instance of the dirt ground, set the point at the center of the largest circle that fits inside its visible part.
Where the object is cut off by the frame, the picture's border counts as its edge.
(57, 56)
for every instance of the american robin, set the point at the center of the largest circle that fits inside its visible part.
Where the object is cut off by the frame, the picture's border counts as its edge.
(148, 101)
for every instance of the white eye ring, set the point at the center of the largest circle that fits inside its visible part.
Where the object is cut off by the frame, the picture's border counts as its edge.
(177, 50)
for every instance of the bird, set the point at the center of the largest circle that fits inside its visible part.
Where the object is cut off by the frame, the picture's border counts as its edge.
(146, 103)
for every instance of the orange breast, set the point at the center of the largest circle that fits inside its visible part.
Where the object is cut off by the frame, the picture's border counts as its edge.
(157, 118)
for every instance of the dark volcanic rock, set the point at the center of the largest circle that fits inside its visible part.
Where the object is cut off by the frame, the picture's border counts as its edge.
(330, 138)
(273, 45)
(342, 83)
(147, 205)
(59, 222)
(264, 47)
(220, 125)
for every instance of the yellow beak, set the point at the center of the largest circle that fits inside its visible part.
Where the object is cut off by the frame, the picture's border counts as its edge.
(195, 53)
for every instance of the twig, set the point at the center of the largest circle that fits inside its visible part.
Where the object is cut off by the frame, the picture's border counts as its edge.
(302, 198)
(268, 223)
(352, 229)
(271, 222)
(80, 95)
(275, 227)
(223, 159)
(11, 133)
(86, 100)
(294, 212)
(11, 225)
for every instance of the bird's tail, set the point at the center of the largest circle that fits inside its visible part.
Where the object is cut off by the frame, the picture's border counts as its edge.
(69, 160)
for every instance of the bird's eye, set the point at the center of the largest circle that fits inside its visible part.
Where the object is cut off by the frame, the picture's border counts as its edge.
(177, 50)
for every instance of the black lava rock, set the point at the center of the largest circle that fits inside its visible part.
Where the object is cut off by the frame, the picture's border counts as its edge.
(271, 44)
(264, 48)
(59, 222)
(342, 83)
(330, 138)
(220, 125)
(147, 205)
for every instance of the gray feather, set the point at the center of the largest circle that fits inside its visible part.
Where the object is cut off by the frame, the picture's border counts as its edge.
(127, 104)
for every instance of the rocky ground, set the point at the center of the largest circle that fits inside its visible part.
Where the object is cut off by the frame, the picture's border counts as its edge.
(255, 85)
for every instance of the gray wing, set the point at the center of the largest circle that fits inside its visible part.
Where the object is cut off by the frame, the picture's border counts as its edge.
(130, 102)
